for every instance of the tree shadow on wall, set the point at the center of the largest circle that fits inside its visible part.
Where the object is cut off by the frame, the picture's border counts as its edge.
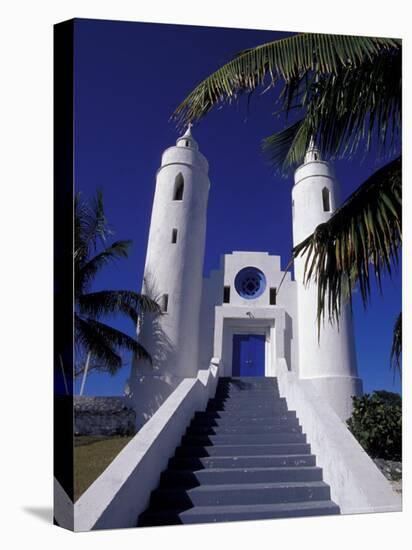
(153, 336)
(288, 340)
(152, 333)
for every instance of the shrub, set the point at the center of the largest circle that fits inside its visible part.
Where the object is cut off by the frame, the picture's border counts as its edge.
(376, 422)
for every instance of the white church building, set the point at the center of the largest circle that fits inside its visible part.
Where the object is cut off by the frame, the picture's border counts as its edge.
(241, 313)
(242, 414)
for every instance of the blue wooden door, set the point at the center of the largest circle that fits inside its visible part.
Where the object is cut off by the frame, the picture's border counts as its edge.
(248, 355)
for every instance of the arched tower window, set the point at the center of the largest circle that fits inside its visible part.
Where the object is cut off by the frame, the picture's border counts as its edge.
(179, 186)
(326, 199)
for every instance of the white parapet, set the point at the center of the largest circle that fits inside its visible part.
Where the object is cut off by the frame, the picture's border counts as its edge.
(357, 485)
(122, 492)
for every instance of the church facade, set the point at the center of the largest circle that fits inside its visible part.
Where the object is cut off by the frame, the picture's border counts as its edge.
(248, 313)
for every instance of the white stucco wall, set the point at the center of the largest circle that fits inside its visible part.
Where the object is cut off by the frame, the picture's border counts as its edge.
(122, 492)
(330, 361)
(357, 485)
(175, 270)
(198, 325)
(219, 321)
(318, 379)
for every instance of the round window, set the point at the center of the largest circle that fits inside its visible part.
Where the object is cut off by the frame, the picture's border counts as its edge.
(250, 283)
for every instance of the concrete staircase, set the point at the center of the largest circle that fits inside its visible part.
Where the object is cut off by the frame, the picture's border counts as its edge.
(244, 458)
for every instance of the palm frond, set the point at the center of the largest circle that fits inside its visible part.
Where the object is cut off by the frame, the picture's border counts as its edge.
(118, 338)
(85, 273)
(91, 225)
(360, 239)
(290, 59)
(108, 302)
(288, 147)
(94, 342)
(343, 110)
(396, 350)
(103, 342)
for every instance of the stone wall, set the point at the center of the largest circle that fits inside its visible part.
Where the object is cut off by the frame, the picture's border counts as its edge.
(392, 470)
(103, 416)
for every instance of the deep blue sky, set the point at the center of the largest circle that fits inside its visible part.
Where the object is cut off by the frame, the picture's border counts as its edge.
(129, 77)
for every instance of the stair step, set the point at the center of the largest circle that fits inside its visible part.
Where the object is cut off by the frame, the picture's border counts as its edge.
(247, 439)
(251, 394)
(247, 382)
(214, 514)
(277, 405)
(243, 450)
(256, 427)
(239, 417)
(197, 463)
(243, 458)
(240, 476)
(247, 493)
(240, 393)
(240, 429)
(253, 411)
(247, 402)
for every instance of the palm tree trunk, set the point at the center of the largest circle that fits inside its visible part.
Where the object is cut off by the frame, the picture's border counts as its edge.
(86, 368)
(64, 375)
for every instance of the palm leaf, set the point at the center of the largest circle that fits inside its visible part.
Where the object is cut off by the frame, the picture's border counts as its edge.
(103, 342)
(396, 350)
(288, 147)
(347, 87)
(85, 273)
(108, 302)
(365, 230)
(289, 59)
(360, 105)
(94, 342)
(119, 339)
(91, 225)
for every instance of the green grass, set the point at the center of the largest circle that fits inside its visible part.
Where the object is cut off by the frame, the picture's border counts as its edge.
(92, 455)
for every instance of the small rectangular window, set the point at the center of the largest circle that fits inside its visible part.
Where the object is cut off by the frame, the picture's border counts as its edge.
(165, 302)
(174, 236)
(272, 296)
(326, 199)
(226, 294)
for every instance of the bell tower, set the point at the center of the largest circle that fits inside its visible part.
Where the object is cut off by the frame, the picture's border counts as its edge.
(173, 276)
(330, 362)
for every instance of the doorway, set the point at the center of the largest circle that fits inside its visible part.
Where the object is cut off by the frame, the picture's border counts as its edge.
(248, 357)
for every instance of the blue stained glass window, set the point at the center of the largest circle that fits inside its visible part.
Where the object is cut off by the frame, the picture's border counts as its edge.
(250, 283)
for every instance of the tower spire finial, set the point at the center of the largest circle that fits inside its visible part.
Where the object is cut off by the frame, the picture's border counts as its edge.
(312, 153)
(187, 139)
(188, 132)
